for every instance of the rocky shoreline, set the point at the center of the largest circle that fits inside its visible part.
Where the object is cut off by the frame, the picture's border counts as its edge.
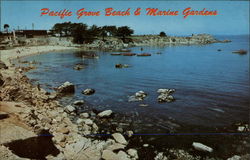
(29, 112)
(39, 111)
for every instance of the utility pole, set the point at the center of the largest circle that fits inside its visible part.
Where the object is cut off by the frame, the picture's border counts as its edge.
(33, 26)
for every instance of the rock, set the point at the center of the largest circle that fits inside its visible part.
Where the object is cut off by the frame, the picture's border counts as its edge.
(241, 128)
(105, 113)
(84, 115)
(88, 121)
(59, 137)
(95, 127)
(235, 157)
(63, 130)
(70, 109)
(160, 156)
(116, 146)
(79, 102)
(165, 98)
(121, 66)
(67, 88)
(143, 105)
(201, 147)
(133, 153)
(80, 144)
(129, 133)
(118, 66)
(3, 65)
(165, 91)
(119, 129)
(109, 155)
(119, 138)
(78, 67)
(123, 155)
(79, 121)
(138, 96)
(134, 99)
(53, 95)
(88, 91)
(145, 145)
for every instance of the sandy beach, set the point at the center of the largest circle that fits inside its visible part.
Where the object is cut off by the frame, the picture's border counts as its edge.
(7, 55)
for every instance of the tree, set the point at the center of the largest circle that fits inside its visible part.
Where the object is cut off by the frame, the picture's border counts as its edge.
(110, 30)
(124, 31)
(58, 29)
(6, 27)
(103, 34)
(79, 32)
(162, 34)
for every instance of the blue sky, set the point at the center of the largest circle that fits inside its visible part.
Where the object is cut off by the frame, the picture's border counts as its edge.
(232, 18)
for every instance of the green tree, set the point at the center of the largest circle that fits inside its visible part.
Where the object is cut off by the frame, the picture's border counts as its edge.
(6, 27)
(124, 32)
(110, 30)
(162, 34)
(58, 29)
(79, 32)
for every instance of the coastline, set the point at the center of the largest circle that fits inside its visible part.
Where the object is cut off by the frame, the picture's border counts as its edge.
(25, 100)
(29, 112)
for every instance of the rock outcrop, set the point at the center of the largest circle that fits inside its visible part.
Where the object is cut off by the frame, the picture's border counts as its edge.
(66, 88)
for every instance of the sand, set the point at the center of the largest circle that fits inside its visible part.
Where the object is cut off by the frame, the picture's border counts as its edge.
(7, 55)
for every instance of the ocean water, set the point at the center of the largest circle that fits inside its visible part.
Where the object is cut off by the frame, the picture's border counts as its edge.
(212, 87)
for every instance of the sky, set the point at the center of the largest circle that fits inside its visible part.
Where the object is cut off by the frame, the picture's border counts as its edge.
(232, 18)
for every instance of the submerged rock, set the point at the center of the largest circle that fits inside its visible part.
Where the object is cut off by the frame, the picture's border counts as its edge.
(106, 113)
(79, 102)
(78, 67)
(67, 87)
(165, 98)
(138, 96)
(121, 66)
(165, 95)
(201, 147)
(88, 91)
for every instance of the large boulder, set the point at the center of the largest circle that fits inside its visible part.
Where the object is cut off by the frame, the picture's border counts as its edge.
(133, 153)
(165, 95)
(119, 138)
(66, 88)
(106, 113)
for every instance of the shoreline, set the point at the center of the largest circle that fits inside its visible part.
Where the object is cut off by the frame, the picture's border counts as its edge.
(18, 52)
(33, 98)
